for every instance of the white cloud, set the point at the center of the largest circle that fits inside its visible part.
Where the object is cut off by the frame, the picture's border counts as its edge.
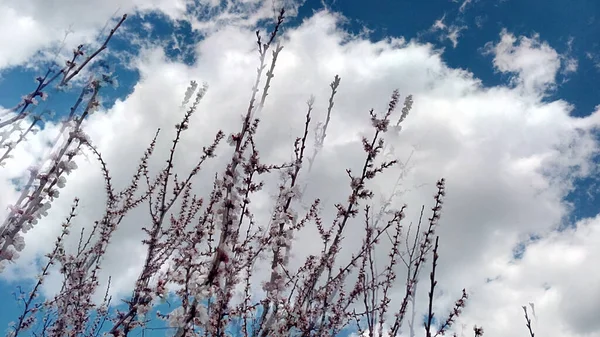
(508, 157)
(555, 274)
(534, 62)
(454, 34)
(570, 65)
(439, 24)
(464, 5)
(451, 32)
(244, 13)
(594, 58)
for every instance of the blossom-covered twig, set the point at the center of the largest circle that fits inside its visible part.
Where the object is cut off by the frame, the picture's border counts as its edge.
(38, 193)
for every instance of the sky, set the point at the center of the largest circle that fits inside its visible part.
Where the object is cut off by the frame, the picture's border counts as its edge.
(506, 109)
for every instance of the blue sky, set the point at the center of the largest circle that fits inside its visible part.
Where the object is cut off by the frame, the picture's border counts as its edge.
(159, 39)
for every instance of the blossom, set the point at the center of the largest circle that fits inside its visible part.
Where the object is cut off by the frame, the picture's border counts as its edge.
(18, 242)
(61, 182)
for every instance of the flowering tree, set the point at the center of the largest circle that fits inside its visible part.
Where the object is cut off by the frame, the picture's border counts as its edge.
(200, 249)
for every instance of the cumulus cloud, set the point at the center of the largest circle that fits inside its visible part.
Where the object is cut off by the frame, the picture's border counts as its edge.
(534, 61)
(555, 275)
(509, 158)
